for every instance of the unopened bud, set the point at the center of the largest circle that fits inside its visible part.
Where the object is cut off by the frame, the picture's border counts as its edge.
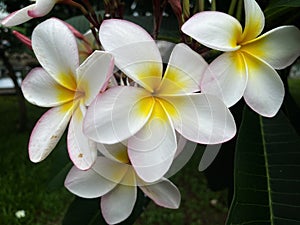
(24, 39)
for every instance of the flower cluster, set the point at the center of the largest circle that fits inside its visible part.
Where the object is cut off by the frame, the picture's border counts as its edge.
(247, 68)
(129, 117)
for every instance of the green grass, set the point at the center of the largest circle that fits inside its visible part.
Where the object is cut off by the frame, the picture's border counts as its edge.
(24, 185)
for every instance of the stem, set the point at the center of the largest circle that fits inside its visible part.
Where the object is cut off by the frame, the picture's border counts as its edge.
(96, 36)
(85, 12)
(79, 6)
(20, 97)
(232, 7)
(91, 11)
(239, 10)
(213, 5)
(121, 8)
(201, 5)
(158, 9)
(186, 9)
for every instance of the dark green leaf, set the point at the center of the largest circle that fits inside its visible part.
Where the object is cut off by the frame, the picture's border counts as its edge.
(282, 12)
(58, 180)
(222, 5)
(84, 212)
(281, 3)
(80, 23)
(61, 164)
(267, 172)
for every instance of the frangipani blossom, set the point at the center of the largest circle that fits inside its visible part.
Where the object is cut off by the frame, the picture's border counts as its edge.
(113, 178)
(67, 87)
(38, 9)
(148, 114)
(248, 66)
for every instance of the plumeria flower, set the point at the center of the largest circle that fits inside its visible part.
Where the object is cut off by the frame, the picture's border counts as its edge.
(247, 68)
(67, 87)
(114, 179)
(38, 9)
(148, 114)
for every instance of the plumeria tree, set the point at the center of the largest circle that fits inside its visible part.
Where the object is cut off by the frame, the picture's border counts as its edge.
(136, 100)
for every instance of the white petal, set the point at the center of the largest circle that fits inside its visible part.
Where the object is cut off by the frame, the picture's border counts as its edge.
(216, 30)
(18, 17)
(202, 118)
(152, 149)
(41, 89)
(56, 50)
(93, 73)
(265, 90)
(82, 153)
(279, 47)
(117, 114)
(135, 52)
(184, 72)
(181, 143)
(226, 77)
(48, 131)
(255, 21)
(42, 8)
(113, 171)
(118, 204)
(87, 184)
(164, 193)
(116, 152)
(209, 154)
(183, 155)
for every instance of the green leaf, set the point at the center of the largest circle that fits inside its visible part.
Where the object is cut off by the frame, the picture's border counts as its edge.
(61, 164)
(282, 12)
(83, 212)
(281, 3)
(267, 172)
(80, 23)
(58, 180)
